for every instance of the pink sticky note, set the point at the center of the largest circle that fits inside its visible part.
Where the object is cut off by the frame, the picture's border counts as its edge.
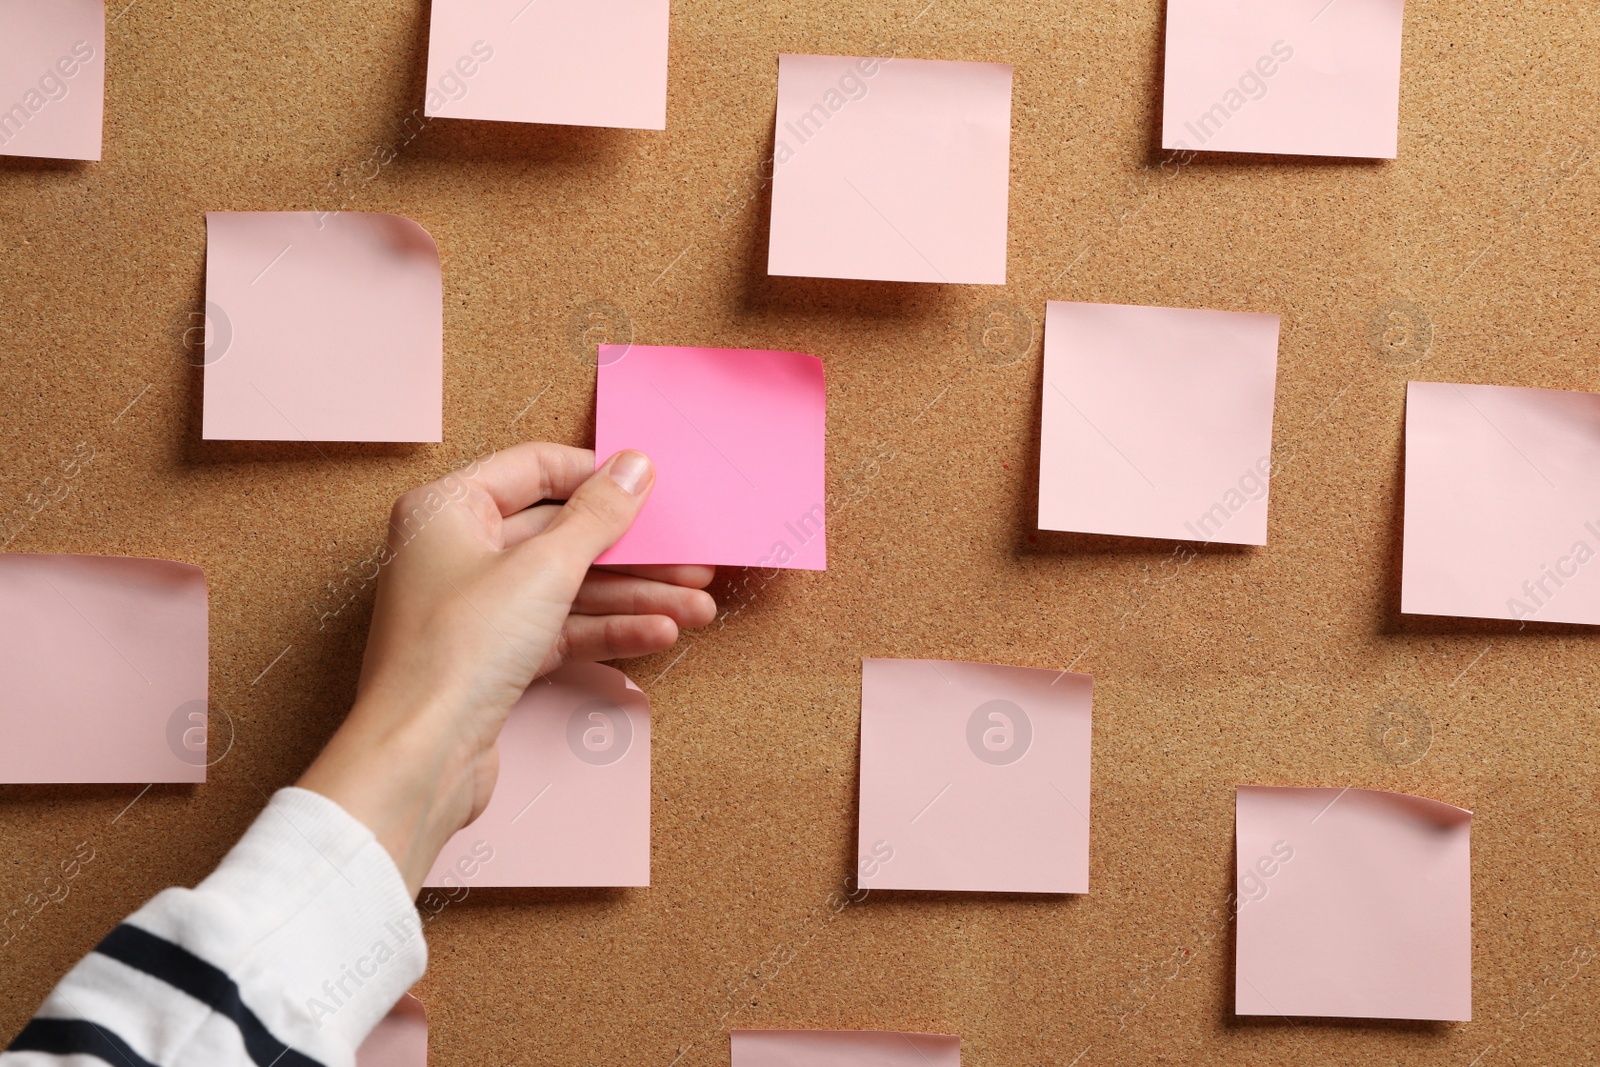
(1157, 422)
(973, 777)
(572, 803)
(1502, 516)
(104, 660)
(399, 1040)
(736, 436)
(52, 78)
(893, 170)
(1298, 77)
(322, 326)
(1353, 903)
(843, 1048)
(571, 62)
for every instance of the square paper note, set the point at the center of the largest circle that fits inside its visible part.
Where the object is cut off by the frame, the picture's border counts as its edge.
(973, 777)
(1502, 515)
(736, 436)
(570, 62)
(894, 170)
(104, 660)
(52, 78)
(1353, 903)
(322, 327)
(1157, 422)
(572, 804)
(1298, 77)
(843, 1048)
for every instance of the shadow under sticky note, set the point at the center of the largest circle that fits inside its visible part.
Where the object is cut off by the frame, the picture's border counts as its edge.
(891, 169)
(569, 62)
(1353, 903)
(105, 665)
(1502, 503)
(737, 438)
(322, 327)
(1299, 77)
(974, 777)
(571, 806)
(1157, 422)
(399, 1040)
(843, 1048)
(52, 78)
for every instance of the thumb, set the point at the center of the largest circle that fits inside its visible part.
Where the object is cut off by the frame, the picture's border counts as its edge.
(600, 511)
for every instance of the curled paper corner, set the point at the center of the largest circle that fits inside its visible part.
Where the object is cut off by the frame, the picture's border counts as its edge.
(400, 1039)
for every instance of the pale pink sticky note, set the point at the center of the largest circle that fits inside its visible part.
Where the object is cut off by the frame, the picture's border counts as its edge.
(322, 326)
(1157, 422)
(973, 777)
(1353, 903)
(1297, 77)
(892, 170)
(1502, 512)
(572, 803)
(737, 438)
(52, 78)
(399, 1040)
(843, 1048)
(105, 661)
(571, 62)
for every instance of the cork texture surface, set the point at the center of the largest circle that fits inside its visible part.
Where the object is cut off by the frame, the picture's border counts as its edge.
(1472, 257)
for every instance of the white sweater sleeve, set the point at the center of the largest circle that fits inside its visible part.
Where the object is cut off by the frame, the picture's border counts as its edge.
(286, 956)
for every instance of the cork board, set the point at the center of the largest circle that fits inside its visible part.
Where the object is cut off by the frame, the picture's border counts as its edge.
(1470, 258)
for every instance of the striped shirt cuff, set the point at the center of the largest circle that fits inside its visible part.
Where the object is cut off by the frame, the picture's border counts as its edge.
(290, 952)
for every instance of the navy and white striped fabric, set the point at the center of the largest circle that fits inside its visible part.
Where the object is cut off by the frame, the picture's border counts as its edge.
(287, 956)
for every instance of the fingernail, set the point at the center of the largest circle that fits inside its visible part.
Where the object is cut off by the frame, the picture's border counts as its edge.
(631, 470)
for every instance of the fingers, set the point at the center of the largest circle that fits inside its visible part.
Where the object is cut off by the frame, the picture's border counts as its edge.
(598, 512)
(688, 575)
(529, 522)
(589, 638)
(525, 474)
(603, 593)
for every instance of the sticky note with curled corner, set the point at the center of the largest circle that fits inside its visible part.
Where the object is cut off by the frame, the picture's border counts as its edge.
(974, 777)
(52, 78)
(105, 664)
(400, 1039)
(568, 62)
(1157, 422)
(1502, 506)
(322, 326)
(1298, 77)
(738, 441)
(1352, 903)
(571, 806)
(891, 170)
(843, 1048)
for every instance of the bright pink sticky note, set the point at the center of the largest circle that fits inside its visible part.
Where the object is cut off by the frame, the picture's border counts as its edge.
(571, 62)
(399, 1040)
(973, 777)
(104, 660)
(843, 1048)
(736, 436)
(1298, 77)
(322, 327)
(572, 803)
(52, 78)
(1157, 422)
(1353, 903)
(1502, 516)
(894, 170)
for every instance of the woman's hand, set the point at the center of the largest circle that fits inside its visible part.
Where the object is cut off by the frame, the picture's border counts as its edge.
(488, 584)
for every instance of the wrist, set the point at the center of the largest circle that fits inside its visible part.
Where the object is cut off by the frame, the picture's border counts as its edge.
(402, 774)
